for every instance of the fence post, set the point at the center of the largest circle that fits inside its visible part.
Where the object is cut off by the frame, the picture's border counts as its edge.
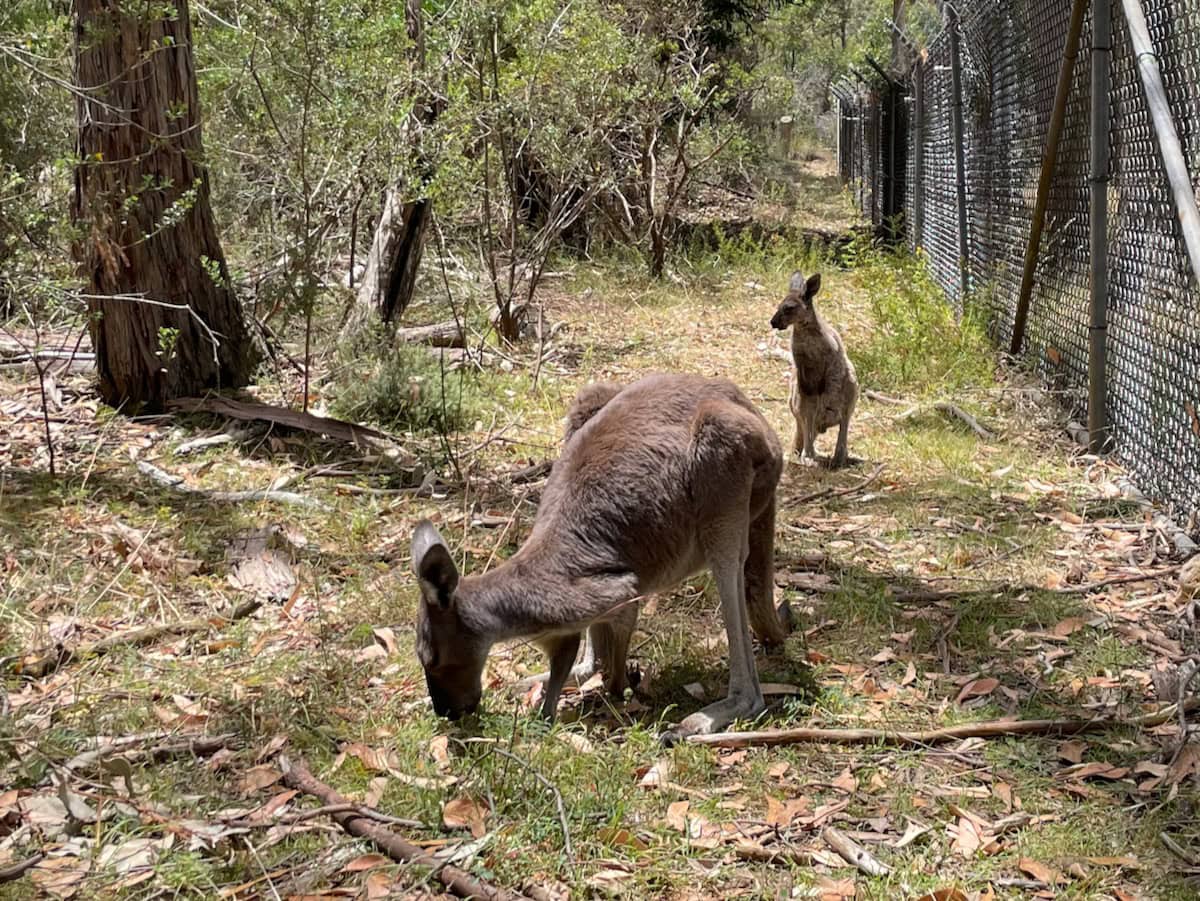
(1164, 130)
(960, 166)
(1098, 228)
(1049, 158)
(918, 153)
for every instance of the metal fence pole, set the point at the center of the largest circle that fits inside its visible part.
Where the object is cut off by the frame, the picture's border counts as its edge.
(1164, 129)
(918, 153)
(960, 165)
(1098, 326)
(1049, 159)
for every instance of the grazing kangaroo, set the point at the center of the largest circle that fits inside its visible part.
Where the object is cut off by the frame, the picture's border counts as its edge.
(656, 482)
(824, 385)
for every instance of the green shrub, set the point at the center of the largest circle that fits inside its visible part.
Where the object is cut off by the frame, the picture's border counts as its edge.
(918, 344)
(404, 388)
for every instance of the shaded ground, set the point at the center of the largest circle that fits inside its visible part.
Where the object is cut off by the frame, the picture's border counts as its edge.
(324, 670)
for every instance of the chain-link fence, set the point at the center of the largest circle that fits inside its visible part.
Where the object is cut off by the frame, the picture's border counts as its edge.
(1009, 58)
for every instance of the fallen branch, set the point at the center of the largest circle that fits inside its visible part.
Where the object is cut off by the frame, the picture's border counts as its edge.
(993, 729)
(828, 493)
(1089, 587)
(196, 444)
(884, 399)
(15, 871)
(61, 656)
(531, 473)
(759, 854)
(293, 419)
(176, 483)
(953, 410)
(854, 853)
(439, 334)
(461, 883)
(199, 746)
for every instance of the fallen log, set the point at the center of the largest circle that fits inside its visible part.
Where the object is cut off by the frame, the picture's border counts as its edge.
(250, 411)
(439, 334)
(176, 483)
(461, 883)
(992, 729)
(56, 659)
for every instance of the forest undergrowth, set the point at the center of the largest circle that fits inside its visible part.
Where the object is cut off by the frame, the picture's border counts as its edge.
(951, 576)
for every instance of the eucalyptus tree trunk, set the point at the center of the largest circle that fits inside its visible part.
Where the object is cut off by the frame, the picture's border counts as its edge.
(164, 319)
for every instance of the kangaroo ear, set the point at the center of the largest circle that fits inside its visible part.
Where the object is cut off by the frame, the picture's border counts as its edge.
(812, 286)
(796, 285)
(433, 565)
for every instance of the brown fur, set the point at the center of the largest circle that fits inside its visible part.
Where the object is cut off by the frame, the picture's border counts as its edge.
(824, 388)
(657, 481)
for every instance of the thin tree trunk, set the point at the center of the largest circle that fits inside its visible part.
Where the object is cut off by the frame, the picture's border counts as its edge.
(390, 276)
(164, 319)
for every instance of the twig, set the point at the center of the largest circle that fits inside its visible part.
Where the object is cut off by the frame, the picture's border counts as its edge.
(553, 789)
(990, 729)
(1178, 850)
(176, 483)
(854, 853)
(61, 656)
(304, 816)
(531, 473)
(15, 871)
(759, 854)
(461, 883)
(884, 399)
(826, 493)
(954, 410)
(1089, 587)
(201, 746)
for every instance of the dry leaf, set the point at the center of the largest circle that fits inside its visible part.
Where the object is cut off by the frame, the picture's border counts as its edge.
(912, 832)
(576, 741)
(977, 689)
(621, 837)
(944, 894)
(835, 889)
(910, 675)
(465, 813)
(1097, 770)
(608, 880)
(366, 862)
(375, 790)
(59, 877)
(386, 638)
(257, 778)
(967, 838)
(1069, 626)
(658, 775)
(1071, 751)
(375, 759)
(439, 750)
(1039, 871)
(781, 813)
(268, 575)
(378, 885)
(846, 782)
(777, 770)
(677, 815)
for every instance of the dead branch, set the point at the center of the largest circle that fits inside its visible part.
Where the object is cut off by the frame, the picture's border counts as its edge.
(759, 854)
(531, 473)
(952, 410)
(854, 853)
(176, 483)
(293, 419)
(197, 746)
(15, 871)
(993, 729)
(461, 883)
(884, 399)
(303, 816)
(827, 493)
(1089, 587)
(54, 660)
(439, 334)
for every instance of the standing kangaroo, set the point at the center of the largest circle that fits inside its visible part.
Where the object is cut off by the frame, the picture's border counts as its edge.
(824, 385)
(656, 482)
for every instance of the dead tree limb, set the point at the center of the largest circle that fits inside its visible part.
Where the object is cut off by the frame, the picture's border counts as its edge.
(54, 660)
(439, 334)
(15, 871)
(249, 411)
(176, 483)
(461, 883)
(854, 853)
(993, 729)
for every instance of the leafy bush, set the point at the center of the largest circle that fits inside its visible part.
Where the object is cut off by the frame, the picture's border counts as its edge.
(405, 389)
(918, 344)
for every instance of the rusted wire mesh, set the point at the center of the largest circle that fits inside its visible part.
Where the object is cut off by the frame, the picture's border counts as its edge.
(1011, 54)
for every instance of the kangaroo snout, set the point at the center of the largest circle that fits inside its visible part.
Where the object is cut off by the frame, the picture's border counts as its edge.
(777, 322)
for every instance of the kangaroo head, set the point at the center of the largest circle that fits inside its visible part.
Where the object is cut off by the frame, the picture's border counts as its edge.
(797, 307)
(450, 654)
